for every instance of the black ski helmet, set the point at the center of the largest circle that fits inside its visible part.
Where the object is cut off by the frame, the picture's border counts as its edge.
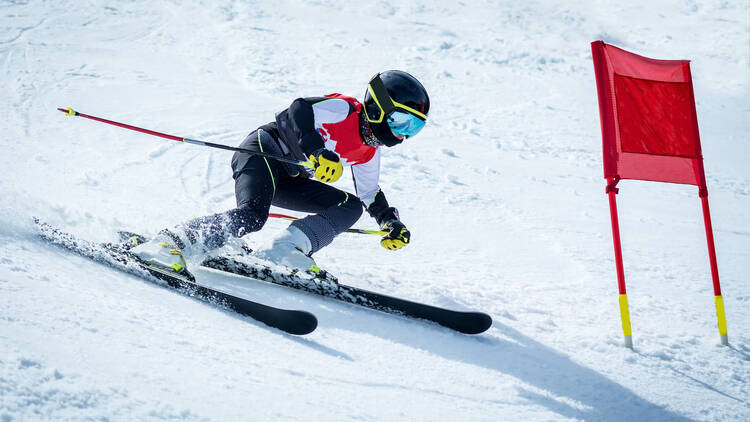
(390, 91)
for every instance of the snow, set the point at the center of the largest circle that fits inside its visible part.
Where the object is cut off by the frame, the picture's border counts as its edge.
(502, 191)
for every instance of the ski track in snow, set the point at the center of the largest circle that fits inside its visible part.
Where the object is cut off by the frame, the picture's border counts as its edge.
(502, 191)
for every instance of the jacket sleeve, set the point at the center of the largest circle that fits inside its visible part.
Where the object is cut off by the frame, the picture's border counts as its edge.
(380, 211)
(366, 176)
(301, 120)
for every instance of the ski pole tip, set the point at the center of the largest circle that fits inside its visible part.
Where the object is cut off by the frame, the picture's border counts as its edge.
(68, 111)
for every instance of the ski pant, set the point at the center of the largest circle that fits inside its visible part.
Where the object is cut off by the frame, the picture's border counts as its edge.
(261, 182)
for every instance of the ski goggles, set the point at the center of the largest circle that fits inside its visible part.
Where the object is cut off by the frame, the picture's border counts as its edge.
(402, 119)
(406, 124)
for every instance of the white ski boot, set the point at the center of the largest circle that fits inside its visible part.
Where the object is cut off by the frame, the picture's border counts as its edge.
(162, 251)
(290, 249)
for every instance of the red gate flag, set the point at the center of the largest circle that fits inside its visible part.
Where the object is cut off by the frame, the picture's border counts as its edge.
(647, 111)
(650, 132)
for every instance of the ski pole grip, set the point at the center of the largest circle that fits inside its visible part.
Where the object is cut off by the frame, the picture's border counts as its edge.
(68, 111)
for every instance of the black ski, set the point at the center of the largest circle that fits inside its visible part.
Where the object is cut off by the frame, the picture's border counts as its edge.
(290, 321)
(465, 322)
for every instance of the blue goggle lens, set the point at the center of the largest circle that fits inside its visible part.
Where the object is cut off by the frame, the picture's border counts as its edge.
(402, 123)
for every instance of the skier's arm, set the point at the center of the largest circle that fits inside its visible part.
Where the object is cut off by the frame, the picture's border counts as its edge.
(366, 177)
(328, 166)
(380, 210)
(387, 217)
(302, 121)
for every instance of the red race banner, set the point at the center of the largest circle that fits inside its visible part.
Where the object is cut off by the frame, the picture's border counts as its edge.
(650, 132)
(648, 118)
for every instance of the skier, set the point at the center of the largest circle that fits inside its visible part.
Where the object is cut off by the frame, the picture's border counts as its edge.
(331, 132)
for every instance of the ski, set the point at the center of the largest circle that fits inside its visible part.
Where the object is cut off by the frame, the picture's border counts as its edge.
(464, 322)
(290, 321)
(324, 284)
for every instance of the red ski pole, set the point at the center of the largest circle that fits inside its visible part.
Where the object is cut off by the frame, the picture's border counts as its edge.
(360, 231)
(70, 112)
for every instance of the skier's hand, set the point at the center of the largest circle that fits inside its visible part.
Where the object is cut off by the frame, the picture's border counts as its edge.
(328, 167)
(398, 235)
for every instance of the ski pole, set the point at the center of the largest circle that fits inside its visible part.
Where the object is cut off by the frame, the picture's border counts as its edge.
(360, 231)
(70, 112)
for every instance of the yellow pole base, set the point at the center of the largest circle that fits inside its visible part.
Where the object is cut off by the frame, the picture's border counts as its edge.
(625, 316)
(722, 320)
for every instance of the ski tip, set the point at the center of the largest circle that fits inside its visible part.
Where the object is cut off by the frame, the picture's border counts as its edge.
(305, 323)
(474, 322)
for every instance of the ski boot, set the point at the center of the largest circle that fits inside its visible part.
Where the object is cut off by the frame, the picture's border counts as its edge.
(165, 252)
(291, 249)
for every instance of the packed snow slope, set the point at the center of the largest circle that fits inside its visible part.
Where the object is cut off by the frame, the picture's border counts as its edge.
(502, 191)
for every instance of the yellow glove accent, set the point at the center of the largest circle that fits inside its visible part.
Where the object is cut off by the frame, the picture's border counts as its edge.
(397, 240)
(327, 170)
(393, 244)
